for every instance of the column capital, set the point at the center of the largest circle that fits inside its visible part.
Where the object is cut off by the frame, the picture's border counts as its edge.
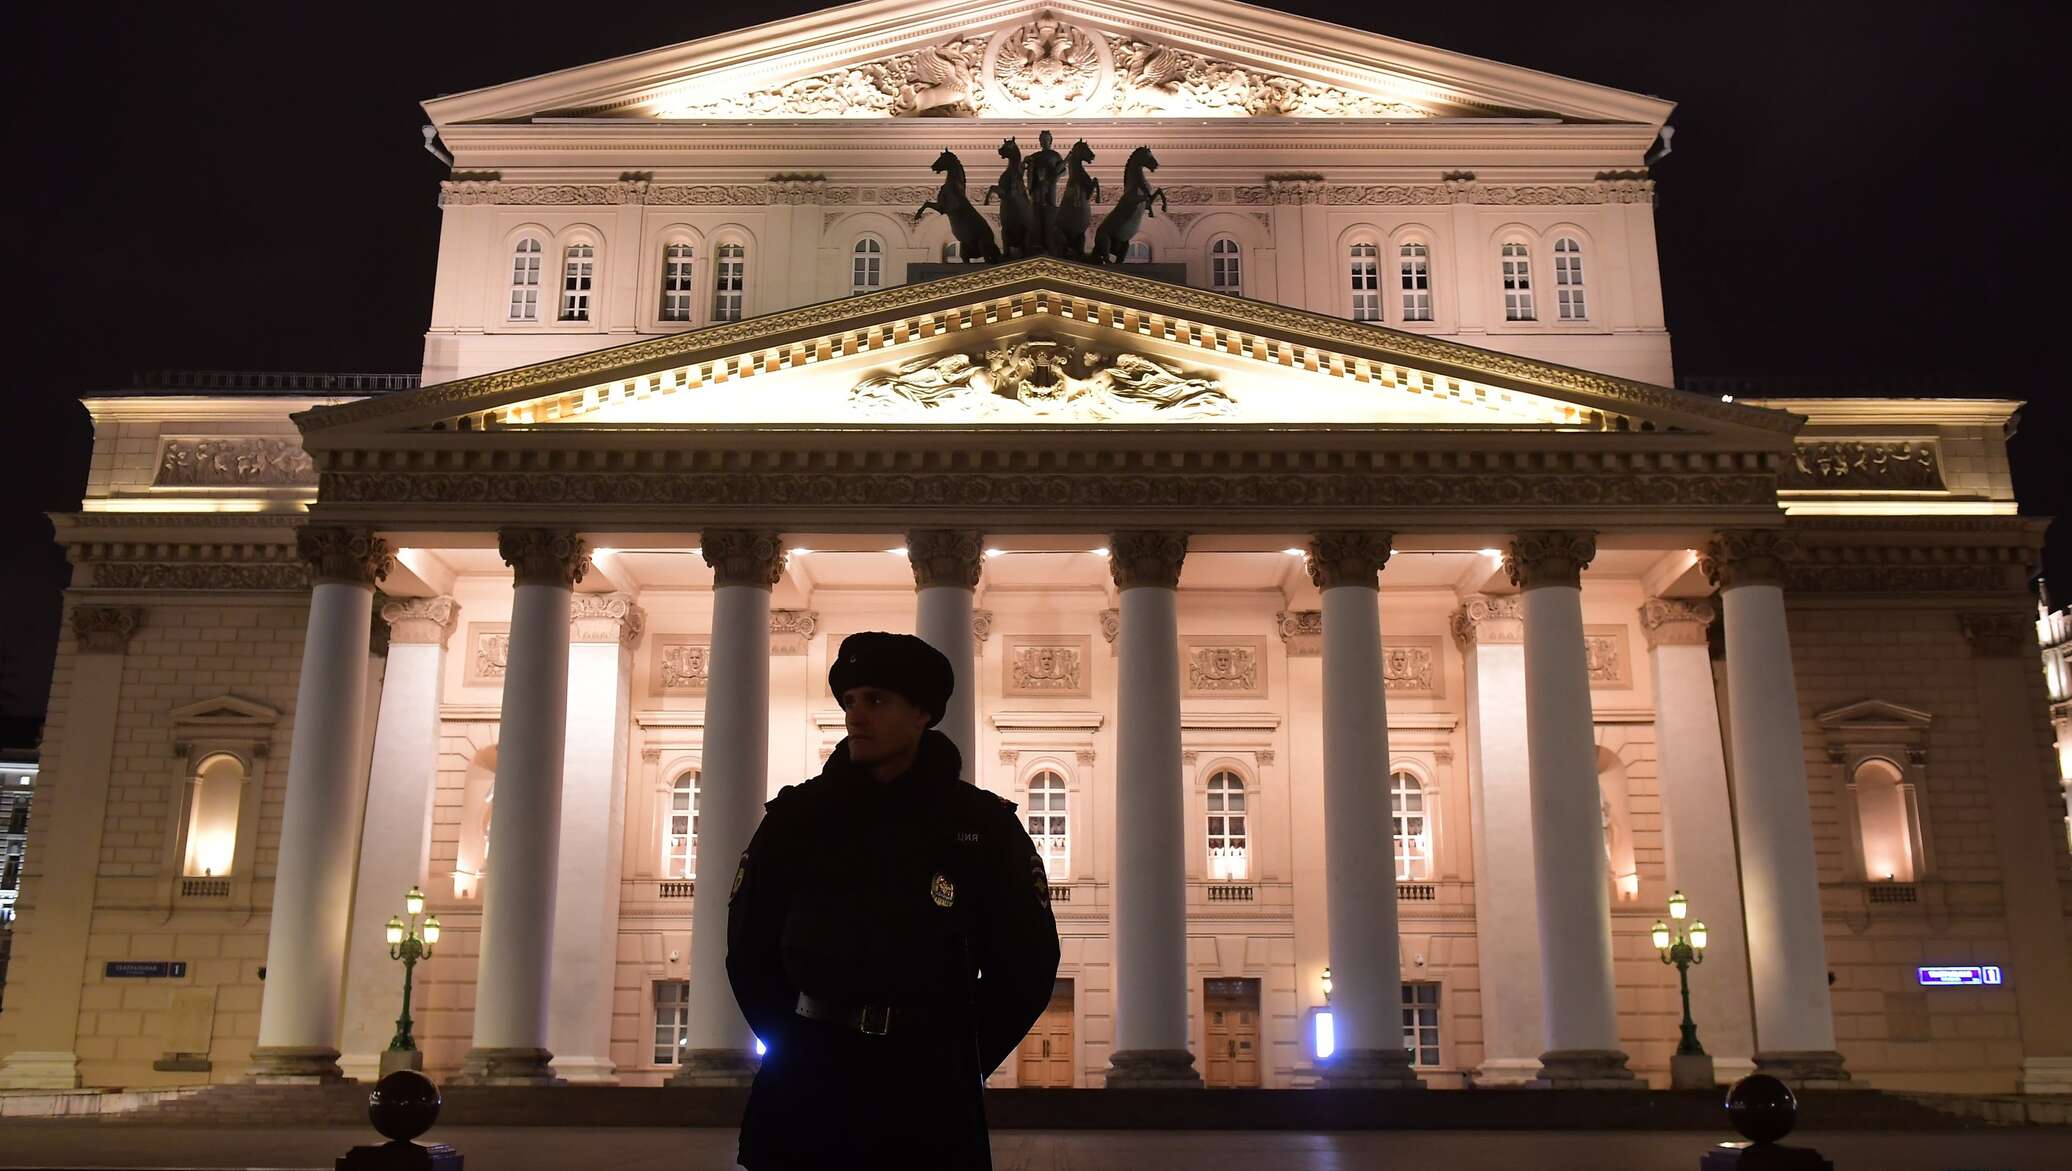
(945, 557)
(1341, 557)
(1147, 557)
(1739, 557)
(791, 630)
(422, 621)
(1676, 621)
(1549, 557)
(1999, 634)
(105, 630)
(553, 557)
(750, 557)
(1302, 631)
(609, 617)
(1488, 620)
(341, 554)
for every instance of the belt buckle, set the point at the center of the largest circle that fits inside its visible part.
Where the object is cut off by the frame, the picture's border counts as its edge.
(881, 1014)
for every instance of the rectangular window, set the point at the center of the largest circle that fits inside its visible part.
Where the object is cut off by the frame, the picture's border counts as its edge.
(1416, 265)
(1421, 1023)
(1568, 279)
(729, 271)
(676, 282)
(525, 281)
(577, 269)
(1517, 284)
(1366, 280)
(672, 1020)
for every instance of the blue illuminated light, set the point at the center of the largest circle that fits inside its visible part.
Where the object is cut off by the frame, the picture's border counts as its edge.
(760, 1049)
(1952, 976)
(1326, 1038)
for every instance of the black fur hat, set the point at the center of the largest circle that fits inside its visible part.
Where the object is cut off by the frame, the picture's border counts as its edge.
(899, 663)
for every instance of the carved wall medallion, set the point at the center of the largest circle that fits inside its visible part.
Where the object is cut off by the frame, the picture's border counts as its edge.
(1302, 631)
(1038, 378)
(232, 462)
(682, 665)
(792, 630)
(489, 652)
(1046, 67)
(1039, 665)
(1412, 668)
(1223, 668)
(1608, 652)
(1863, 466)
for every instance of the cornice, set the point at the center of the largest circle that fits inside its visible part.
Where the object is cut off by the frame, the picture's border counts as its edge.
(578, 193)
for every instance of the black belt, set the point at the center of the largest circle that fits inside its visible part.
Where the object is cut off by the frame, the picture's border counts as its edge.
(872, 1020)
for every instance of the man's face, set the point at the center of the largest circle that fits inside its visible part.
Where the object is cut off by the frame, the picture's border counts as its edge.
(883, 725)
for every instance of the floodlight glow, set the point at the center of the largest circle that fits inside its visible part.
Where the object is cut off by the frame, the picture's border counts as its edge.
(1493, 554)
(1292, 552)
(798, 551)
(897, 550)
(1325, 1039)
(995, 552)
(1101, 551)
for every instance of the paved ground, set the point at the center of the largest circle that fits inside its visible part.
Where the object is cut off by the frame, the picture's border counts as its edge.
(79, 1145)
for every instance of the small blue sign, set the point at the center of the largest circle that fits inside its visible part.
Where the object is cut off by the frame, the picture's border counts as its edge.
(145, 969)
(1950, 977)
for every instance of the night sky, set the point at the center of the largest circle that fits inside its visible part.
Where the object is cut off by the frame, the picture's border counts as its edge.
(1856, 192)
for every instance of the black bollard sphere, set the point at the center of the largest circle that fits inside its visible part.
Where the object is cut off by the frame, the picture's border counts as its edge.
(403, 1105)
(1762, 1108)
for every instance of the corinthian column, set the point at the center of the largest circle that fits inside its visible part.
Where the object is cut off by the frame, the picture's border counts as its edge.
(1491, 632)
(1698, 833)
(1581, 1016)
(735, 778)
(396, 837)
(313, 881)
(514, 978)
(1150, 858)
(602, 632)
(1359, 877)
(946, 563)
(1794, 1022)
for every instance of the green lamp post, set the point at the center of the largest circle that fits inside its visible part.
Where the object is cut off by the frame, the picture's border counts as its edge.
(408, 942)
(1684, 947)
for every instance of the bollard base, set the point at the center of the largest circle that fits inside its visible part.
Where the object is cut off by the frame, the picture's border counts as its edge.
(1763, 1157)
(400, 1156)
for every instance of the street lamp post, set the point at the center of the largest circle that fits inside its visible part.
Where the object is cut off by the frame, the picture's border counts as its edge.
(1691, 1068)
(408, 942)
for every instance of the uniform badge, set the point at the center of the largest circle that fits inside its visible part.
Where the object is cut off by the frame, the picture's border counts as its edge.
(740, 876)
(943, 891)
(1042, 877)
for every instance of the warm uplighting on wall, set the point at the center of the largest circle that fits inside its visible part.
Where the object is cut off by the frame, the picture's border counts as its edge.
(897, 550)
(1100, 551)
(996, 552)
(463, 884)
(797, 551)
(211, 854)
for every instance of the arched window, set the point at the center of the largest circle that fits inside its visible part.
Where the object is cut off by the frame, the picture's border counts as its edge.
(1365, 261)
(1225, 274)
(1414, 267)
(1413, 827)
(525, 280)
(216, 788)
(1229, 844)
(676, 281)
(680, 836)
(1139, 253)
(1568, 279)
(729, 276)
(1885, 815)
(866, 265)
(578, 270)
(1048, 826)
(1517, 269)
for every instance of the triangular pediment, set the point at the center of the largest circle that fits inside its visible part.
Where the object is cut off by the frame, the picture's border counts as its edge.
(1049, 343)
(1014, 59)
(224, 712)
(1874, 715)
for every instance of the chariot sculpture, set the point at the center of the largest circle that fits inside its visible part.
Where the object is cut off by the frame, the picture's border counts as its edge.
(1036, 219)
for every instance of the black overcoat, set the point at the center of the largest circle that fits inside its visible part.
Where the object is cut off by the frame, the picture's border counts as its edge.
(923, 894)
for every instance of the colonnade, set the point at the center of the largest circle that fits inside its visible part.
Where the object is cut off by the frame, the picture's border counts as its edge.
(1527, 682)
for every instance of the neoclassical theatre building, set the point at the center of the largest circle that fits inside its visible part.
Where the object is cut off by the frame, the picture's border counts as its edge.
(1371, 637)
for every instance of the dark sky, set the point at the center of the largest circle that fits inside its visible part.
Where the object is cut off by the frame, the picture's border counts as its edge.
(1856, 191)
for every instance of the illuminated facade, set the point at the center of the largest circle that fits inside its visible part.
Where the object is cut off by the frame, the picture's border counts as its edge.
(1378, 422)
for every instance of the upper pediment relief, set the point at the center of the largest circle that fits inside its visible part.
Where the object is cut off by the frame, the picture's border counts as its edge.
(891, 59)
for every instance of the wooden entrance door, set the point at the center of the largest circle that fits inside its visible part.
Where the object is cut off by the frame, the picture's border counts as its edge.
(1046, 1053)
(1232, 1009)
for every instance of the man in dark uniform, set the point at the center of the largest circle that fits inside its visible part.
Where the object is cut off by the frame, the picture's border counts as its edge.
(889, 937)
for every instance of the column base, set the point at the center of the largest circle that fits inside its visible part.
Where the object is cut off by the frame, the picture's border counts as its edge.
(1507, 1071)
(507, 1067)
(40, 1069)
(1152, 1069)
(2045, 1075)
(1369, 1069)
(294, 1065)
(587, 1071)
(1585, 1069)
(1692, 1071)
(715, 1067)
(1807, 1069)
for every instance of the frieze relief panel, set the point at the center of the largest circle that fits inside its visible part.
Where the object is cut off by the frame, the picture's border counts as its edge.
(489, 652)
(681, 665)
(1047, 665)
(1411, 667)
(232, 462)
(1223, 668)
(1607, 651)
(1041, 377)
(1863, 465)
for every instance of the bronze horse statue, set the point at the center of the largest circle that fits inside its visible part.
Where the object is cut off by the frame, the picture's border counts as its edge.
(1119, 226)
(974, 235)
(1017, 214)
(1075, 208)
